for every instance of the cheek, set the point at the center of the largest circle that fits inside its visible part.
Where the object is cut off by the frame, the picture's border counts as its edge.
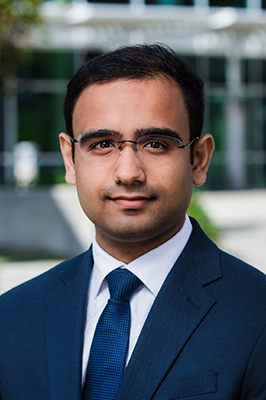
(178, 186)
(88, 187)
(90, 181)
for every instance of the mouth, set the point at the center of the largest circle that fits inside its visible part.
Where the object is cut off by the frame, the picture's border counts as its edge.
(131, 202)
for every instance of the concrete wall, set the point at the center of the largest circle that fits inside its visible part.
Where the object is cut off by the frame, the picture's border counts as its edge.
(43, 223)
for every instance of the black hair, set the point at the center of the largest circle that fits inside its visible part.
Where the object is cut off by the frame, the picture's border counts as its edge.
(140, 62)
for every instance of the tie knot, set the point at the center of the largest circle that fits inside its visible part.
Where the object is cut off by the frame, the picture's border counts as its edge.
(122, 283)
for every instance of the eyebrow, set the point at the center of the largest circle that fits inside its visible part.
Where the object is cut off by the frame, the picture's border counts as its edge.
(158, 131)
(138, 133)
(101, 132)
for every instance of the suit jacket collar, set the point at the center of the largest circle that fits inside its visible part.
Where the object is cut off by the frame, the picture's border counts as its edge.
(179, 308)
(202, 256)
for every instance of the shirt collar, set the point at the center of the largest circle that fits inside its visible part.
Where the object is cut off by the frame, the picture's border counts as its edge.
(151, 268)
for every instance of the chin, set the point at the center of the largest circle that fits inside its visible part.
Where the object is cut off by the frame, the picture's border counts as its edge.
(133, 234)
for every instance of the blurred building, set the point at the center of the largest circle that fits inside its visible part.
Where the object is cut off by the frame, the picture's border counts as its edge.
(223, 40)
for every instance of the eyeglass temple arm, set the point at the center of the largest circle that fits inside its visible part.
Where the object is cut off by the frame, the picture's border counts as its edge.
(72, 139)
(184, 146)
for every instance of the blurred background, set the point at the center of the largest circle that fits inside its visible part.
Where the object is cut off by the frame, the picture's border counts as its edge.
(42, 44)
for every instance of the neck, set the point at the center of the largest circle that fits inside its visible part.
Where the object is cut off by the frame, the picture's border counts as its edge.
(126, 250)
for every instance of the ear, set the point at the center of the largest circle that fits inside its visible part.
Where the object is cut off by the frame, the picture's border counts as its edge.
(66, 150)
(202, 155)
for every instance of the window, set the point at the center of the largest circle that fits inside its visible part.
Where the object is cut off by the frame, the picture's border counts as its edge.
(171, 2)
(228, 3)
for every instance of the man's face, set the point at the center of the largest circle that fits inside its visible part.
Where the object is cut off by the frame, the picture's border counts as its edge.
(128, 201)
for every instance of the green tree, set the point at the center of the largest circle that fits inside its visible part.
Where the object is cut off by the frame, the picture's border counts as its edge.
(16, 18)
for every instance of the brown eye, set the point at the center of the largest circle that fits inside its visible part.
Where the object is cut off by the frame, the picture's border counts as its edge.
(154, 145)
(103, 144)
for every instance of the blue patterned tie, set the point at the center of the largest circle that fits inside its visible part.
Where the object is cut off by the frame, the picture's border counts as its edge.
(110, 343)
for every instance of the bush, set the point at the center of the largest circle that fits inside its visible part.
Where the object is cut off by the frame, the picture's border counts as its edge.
(196, 211)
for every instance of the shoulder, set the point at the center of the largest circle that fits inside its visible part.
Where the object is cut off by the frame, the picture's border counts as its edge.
(220, 271)
(243, 280)
(40, 286)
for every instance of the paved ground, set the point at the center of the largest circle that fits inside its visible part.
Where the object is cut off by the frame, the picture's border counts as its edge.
(241, 215)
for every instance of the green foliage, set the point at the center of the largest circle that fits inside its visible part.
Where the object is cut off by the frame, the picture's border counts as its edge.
(197, 211)
(16, 17)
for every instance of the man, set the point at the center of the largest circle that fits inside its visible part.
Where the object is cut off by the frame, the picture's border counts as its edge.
(134, 149)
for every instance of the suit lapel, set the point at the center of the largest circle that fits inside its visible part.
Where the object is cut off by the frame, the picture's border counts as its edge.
(65, 321)
(178, 309)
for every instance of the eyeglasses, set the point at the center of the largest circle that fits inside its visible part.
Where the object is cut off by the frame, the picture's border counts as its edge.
(153, 150)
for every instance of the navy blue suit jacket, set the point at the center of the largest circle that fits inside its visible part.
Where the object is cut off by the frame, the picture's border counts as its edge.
(204, 338)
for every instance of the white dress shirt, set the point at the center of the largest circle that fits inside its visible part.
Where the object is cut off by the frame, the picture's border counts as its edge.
(151, 268)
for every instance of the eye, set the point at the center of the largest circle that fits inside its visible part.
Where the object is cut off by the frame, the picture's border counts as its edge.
(154, 144)
(103, 144)
(90, 143)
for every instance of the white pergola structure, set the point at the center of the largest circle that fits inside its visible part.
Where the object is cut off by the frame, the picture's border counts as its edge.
(233, 33)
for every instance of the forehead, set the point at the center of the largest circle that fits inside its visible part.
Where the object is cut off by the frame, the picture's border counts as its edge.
(128, 105)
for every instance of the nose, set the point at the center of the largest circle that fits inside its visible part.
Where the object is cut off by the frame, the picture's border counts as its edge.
(129, 169)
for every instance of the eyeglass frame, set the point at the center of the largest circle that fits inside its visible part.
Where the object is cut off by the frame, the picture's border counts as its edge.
(183, 146)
